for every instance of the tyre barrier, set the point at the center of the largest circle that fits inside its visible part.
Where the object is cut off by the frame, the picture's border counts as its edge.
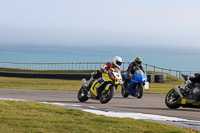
(151, 78)
(156, 78)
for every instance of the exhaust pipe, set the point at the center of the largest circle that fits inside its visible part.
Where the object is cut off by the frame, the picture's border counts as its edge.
(177, 90)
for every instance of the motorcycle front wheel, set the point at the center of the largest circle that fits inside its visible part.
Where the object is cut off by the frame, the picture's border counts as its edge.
(139, 90)
(172, 100)
(82, 95)
(106, 95)
(123, 92)
(123, 89)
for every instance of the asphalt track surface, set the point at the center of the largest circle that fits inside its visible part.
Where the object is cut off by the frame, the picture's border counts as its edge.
(148, 104)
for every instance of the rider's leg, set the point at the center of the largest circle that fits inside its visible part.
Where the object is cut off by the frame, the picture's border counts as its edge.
(187, 83)
(93, 77)
(90, 81)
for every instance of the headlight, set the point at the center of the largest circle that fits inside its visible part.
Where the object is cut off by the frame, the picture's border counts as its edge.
(121, 82)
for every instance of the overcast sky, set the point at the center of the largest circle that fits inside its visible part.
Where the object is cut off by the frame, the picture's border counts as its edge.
(104, 22)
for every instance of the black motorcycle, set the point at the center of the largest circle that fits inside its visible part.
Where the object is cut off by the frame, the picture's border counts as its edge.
(188, 96)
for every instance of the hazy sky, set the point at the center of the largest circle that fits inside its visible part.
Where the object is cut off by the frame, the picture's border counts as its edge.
(170, 23)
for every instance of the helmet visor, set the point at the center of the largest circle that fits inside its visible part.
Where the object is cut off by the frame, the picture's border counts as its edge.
(138, 62)
(118, 63)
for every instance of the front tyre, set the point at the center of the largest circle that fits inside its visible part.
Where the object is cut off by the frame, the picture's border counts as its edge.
(139, 91)
(172, 100)
(123, 92)
(82, 95)
(106, 95)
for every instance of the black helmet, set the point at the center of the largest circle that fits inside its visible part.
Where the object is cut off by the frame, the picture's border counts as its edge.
(138, 60)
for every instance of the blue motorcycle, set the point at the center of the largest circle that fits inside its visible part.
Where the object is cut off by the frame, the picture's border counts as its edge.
(135, 86)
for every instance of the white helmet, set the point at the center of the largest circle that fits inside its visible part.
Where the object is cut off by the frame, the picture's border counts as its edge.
(117, 61)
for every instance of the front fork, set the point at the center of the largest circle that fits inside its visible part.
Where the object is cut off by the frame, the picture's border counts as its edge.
(177, 90)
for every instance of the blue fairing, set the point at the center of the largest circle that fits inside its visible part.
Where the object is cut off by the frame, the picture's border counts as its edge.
(140, 77)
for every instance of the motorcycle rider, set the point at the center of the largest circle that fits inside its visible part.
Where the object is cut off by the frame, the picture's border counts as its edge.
(192, 80)
(133, 66)
(116, 63)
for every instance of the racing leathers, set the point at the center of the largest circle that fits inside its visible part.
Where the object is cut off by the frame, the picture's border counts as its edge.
(192, 80)
(131, 70)
(195, 78)
(98, 73)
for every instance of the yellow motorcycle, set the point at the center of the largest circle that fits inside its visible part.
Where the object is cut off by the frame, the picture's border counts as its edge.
(102, 89)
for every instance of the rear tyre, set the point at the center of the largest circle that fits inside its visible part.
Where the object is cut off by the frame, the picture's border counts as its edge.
(139, 90)
(107, 95)
(172, 100)
(82, 95)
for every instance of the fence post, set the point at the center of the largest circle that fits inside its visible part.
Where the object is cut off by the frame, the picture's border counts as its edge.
(146, 68)
(83, 66)
(176, 73)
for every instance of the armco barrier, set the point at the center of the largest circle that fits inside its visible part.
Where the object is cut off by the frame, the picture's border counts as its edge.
(152, 78)
(70, 76)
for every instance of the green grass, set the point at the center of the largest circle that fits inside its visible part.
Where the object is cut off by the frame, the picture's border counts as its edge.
(74, 85)
(23, 117)
(39, 84)
(163, 88)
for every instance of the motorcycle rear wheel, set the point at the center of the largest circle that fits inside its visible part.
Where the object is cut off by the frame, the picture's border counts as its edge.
(106, 95)
(82, 95)
(172, 100)
(139, 90)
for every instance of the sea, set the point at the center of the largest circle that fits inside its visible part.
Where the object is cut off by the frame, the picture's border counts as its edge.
(175, 59)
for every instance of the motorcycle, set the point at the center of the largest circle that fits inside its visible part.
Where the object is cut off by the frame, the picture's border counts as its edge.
(135, 86)
(185, 96)
(103, 88)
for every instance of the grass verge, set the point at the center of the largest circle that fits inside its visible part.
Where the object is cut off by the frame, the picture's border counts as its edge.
(74, 85)
(24, 117)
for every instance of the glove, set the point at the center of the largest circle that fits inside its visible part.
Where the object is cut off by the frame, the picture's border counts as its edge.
(187, 82)
(104, 71)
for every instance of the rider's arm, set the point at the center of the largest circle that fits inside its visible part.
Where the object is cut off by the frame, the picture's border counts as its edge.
(195, 77)
(130, 67)
(106, 66)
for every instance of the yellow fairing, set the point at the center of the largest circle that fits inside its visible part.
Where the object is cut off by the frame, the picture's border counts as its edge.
(106, 77)
(94, 87)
